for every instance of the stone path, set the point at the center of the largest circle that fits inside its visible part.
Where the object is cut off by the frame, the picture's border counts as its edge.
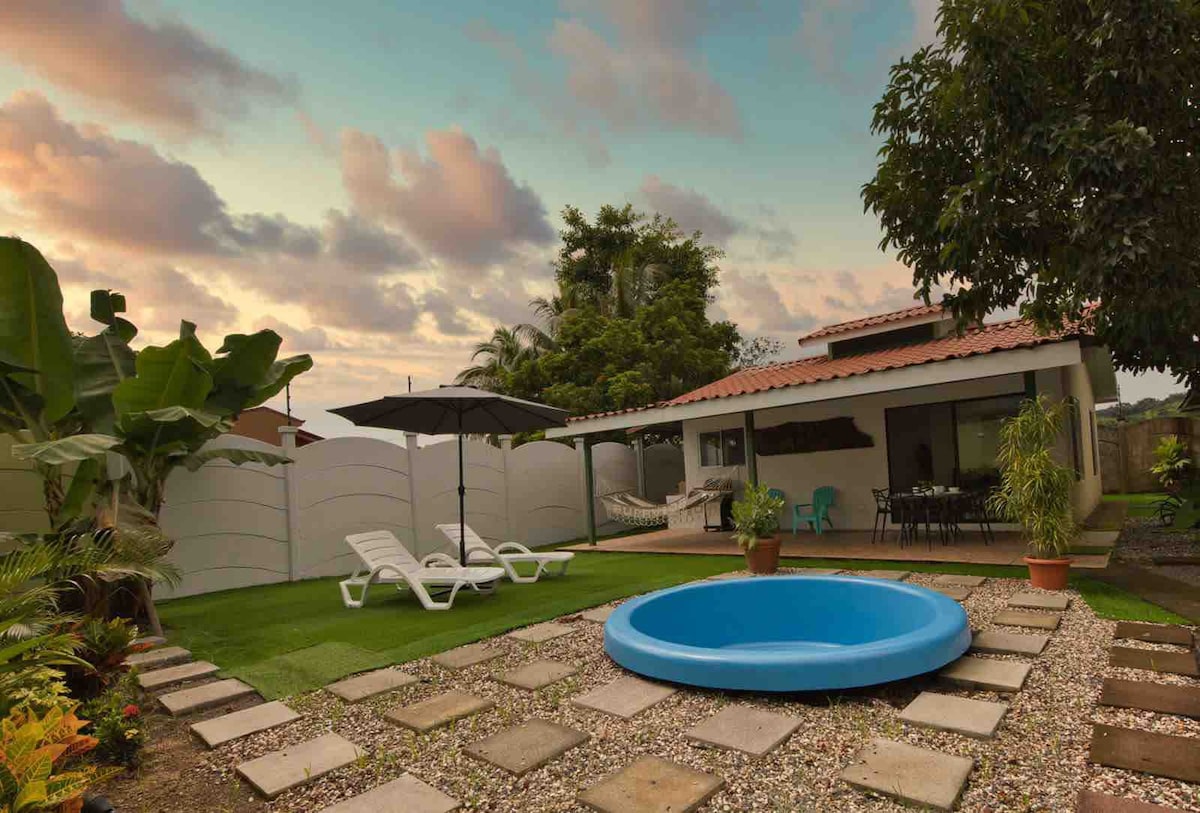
(1021, 618)
(404, 795)
(1154, 660)
(226, 728)
(744, 728)
(1147, 751)
(652, 785)
(953, 580)
(465, 656)
(206, 696)
(439, 710)
(1161, 697)
(986, 673)
(370, 684)
(914, 775)
(528, 746)
(597, 614)
(298, 764)
(540, 633)
(1155, 633)
(891, 575)
(182, 673)
(1091, 802)
(159, 658)
(625, 697)
(537, 674)
(962, 715)
(956, 593)
(998, 642)
(1040, 601)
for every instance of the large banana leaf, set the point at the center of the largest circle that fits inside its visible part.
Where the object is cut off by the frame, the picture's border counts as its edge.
(234, 456)
(240, 366)
(279, 376)
(19, 405)
(33, 333)
(159, 428)
(104, 361)
(65, 450)
(166, 377)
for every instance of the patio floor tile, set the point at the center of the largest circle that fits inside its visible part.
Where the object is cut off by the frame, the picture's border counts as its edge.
(891, 575)
(1146, 751)
(273, 773)
(465, 656)
(1009, 643)
(1040, 601)
(956, 593)
(652, 785)
(242, 723)
(199, 698)
(946, 712)
(439, 710)
(539, 633)
(744, 728)
(1160, 697)
(1173, 663)
(598, 614)
(531, 745)
(956, 580)
(176, 674)
(985, 673)
(1092, 802)
(404, 795)
(1155, 633)
(535, 675)
(915, 775)
(158, 658)
(370, 684)
(1020, 618)
(625, 697)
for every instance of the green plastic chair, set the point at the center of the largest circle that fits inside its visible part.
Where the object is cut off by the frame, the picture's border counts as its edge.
(814, 513)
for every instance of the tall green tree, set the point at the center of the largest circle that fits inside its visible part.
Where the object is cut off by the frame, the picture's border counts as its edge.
(1045, 154)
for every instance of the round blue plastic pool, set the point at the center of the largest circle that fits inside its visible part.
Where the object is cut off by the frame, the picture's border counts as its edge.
(787, 633)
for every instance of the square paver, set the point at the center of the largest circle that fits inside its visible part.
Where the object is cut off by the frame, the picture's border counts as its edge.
(733, 574)
(404, 795)
(176, 674)
(522, 749)
(915, 775)
(955, 580)
(1161, 697)
(242, 723)
(744, 728)
(946, 712)
(816, 571)
(439, 710)
(597, 614)
(370, 684)
(273, 773)
(539, 633)
(464, 656)
(1009, 643)
(1092, 802)
(891, 575)
(199, 698)
(535, 675)
(625, 697)
(1040, 601)
(1021, 618)
(986, 673)
(652, 785)
(1155, 633)
(1154, 660)
(149, 641)
(158, 658)
(1147, 752)
(956, 593)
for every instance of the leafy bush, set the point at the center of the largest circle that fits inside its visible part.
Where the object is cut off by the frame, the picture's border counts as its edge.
(39, 766)
(117, 724)
(1172, 462)
(755, 516)
(103, 646)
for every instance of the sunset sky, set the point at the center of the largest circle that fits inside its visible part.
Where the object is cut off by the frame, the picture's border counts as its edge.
(381, 182)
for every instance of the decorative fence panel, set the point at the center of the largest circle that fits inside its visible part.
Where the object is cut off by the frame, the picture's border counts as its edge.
(544, 493)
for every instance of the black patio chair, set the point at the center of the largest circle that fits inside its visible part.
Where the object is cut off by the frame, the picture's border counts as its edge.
(883, 508)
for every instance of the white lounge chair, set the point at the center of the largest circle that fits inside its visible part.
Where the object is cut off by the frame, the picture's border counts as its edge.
(386, 561)
(508, 554)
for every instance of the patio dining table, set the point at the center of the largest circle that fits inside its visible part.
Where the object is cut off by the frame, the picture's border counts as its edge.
(944, 508)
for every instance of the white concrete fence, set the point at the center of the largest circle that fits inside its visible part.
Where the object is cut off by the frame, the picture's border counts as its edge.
(236, 526)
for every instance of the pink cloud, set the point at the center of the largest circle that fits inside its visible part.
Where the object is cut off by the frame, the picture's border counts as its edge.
(163, 73)
(692, 210)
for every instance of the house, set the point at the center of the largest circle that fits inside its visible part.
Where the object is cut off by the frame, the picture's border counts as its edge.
(262, 423)
(895, 400)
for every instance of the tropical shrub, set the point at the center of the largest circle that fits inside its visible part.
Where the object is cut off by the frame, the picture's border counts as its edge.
(1172, 462)
(1035, 489)
(117, 724)
(39, 765)
(103, 646)
(755, 516)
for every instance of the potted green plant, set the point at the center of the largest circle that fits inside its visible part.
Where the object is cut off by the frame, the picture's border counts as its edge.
(756, 528)
(1035, 489)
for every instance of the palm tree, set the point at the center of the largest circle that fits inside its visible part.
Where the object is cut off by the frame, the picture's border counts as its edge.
(503, 353)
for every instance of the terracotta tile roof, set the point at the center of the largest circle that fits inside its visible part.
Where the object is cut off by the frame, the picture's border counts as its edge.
(871, 321)
(1010, 335)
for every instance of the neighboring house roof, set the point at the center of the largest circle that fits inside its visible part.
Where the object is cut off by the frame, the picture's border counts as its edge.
(1010, 335)
(915, 312)
(303, 436)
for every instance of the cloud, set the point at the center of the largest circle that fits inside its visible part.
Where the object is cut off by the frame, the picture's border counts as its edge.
(163, 73)
(459, 204)
(925, 22)
(297, 340)
(357, 243)
(692, 210)
(852, 301)
(762, 304)
(445, 312)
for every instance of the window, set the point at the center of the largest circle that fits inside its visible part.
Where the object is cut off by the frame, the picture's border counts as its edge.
(724, 448)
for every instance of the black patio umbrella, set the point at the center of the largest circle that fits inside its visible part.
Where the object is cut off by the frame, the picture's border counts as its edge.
(458, 411)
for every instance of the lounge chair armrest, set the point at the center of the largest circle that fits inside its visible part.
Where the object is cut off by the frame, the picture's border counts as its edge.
(439, 560)
(803, 505)
(506, 547)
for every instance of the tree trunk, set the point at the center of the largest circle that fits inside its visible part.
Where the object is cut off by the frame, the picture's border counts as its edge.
(148, 604)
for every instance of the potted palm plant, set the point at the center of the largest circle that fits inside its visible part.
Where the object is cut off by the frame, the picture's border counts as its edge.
(756, 528)
(1035, 489)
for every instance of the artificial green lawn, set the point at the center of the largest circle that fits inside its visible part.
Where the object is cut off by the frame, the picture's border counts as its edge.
(288, 638)
(1140, 505)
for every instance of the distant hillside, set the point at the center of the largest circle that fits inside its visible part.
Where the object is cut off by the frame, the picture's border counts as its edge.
(1143, 409)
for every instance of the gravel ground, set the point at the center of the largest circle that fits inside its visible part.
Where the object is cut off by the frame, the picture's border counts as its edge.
(1142, 539)
(1038, 761)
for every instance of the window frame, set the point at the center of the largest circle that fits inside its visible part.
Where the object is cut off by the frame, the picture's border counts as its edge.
(721, 434)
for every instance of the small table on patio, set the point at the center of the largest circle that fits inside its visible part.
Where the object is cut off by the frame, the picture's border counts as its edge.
(942, 507)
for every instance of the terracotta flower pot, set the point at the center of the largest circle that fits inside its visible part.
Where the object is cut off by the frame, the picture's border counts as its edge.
(763, 559)
(1048, 574)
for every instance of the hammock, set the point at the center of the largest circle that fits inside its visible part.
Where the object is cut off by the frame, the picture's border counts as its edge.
(630, 509)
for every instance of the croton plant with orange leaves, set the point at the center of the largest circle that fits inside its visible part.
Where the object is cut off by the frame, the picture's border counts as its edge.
(39, 766)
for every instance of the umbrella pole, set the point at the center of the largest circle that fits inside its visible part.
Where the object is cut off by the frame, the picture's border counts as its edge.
(462, 501)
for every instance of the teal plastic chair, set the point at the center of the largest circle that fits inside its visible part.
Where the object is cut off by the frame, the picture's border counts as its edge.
(815, 513)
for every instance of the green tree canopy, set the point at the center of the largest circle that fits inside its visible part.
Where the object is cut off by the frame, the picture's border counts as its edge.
(1044, 154)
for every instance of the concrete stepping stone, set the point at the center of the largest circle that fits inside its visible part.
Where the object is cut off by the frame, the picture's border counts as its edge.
(370, 684)
(439, 710)
(464, 656)
(1160, 697)
(199, 698)
(733, 574)
(1155, 633)
(946, 712)
(273, 773)
(986, 673)
(891, 575)
(1008, 643)
(956, 593)
(744, 728)
(220, 730)
(176, 674)
(150, 641)
(914, 775)
(536, 675)
(955, 580)
(1040, 601)
(1092, 802)
(816, 571)
(625, 697)
(1154, 660)
(1146, 751)
(531, 745)
(652, 785)
(597, 614)
(159, 658)
(1021, 618)
(540, 633)
(404, 795)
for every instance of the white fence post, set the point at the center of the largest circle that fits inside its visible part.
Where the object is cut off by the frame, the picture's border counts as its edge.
(410, 451)
(291, 505)
(506, 458)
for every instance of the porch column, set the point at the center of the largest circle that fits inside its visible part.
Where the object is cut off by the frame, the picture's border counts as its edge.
(639, 456)
(588, 486)
(751, 453)
(1031, 390)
